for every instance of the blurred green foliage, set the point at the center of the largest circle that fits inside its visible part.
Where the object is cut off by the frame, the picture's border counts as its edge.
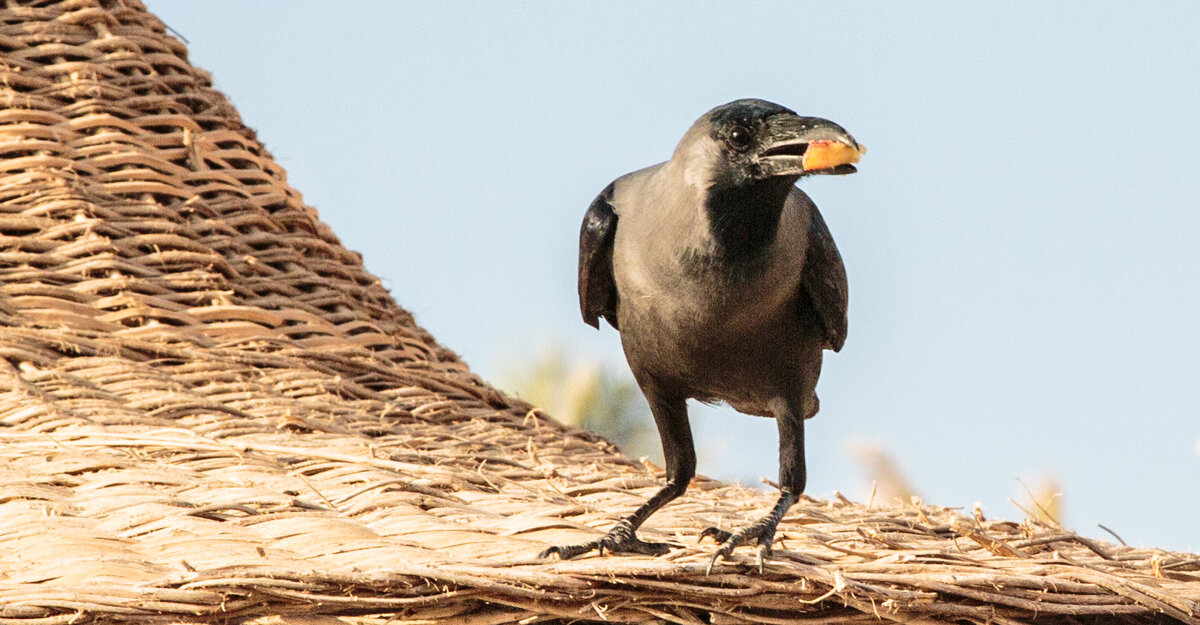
(589, 395)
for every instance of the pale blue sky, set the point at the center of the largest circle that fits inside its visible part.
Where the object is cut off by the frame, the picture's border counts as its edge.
(1022, 240)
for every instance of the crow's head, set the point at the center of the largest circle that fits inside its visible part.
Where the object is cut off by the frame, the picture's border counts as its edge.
(748, 142)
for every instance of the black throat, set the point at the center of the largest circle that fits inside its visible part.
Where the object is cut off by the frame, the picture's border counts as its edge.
(743, 219)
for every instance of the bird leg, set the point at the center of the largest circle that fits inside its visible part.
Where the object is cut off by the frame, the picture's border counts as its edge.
(621, 538)
(791, 484)
(680, 454)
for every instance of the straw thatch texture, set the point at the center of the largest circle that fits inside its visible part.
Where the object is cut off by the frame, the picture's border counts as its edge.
(210, 413)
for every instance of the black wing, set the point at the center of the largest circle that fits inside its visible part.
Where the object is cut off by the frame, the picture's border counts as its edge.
(597, 289)
(824, 280)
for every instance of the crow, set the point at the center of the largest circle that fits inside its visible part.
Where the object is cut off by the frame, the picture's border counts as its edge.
(725, 285)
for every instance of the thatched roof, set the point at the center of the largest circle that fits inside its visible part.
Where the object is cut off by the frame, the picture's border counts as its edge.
(211, 412)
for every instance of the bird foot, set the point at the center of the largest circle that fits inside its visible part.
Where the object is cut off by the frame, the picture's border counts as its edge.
(762, 531)
(620, 539)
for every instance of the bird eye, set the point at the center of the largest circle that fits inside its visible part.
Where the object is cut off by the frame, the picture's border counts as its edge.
(739, 137)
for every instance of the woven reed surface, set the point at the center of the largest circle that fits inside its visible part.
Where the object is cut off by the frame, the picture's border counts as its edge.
(211, 413)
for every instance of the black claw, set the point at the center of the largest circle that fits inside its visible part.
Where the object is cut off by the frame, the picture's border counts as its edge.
(721, 552)
(566, 552)
(618, 540)
(718, 535)
(763, 531)
(763, 551)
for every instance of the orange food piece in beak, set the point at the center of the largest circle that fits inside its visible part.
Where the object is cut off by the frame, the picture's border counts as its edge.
(826, 154)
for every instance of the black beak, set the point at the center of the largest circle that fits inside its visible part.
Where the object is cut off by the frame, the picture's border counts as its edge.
(802, 146)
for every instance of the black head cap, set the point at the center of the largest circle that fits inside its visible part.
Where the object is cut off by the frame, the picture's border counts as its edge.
(745, 111)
